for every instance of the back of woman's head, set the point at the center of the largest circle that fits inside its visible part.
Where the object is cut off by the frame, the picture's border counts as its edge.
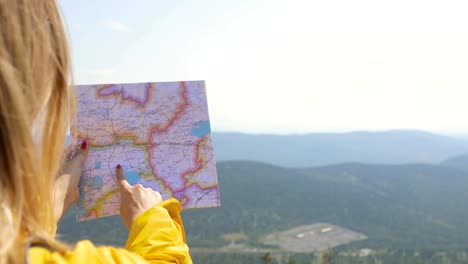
(35, 109)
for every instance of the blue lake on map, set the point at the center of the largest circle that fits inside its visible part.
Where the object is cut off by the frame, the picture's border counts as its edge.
(201, 129)
(97, 165)
(96, 182)
(132, 177)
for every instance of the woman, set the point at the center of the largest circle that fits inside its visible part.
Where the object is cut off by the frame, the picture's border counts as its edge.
(36, 106)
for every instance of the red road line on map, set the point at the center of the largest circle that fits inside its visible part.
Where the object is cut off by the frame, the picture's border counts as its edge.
(180, 110)
(157, 129)
(124, 99)
(185, 199)
(153, 167)
(198, 159)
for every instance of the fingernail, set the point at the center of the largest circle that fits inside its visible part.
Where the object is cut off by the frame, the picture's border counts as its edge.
(119, 167)
(84, 145)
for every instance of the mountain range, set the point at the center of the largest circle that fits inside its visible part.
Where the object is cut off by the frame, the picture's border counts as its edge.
(318, 149)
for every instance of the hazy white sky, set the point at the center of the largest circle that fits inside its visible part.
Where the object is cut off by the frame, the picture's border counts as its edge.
(288, 66)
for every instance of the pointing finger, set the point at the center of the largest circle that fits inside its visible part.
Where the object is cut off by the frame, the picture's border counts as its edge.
(83, 152)
(120, 177)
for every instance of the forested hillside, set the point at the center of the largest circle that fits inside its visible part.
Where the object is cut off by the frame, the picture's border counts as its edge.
(396, 206)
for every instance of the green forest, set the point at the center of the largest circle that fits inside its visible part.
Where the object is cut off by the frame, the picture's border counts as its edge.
(403, 209)
(400, 256)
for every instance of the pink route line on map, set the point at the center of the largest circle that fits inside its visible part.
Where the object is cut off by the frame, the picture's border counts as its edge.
(121, 136)
(198, 159)
(125, 97)
(128, 135)
(154, 129)
(157, 129)
(184, 199)
(180, 110)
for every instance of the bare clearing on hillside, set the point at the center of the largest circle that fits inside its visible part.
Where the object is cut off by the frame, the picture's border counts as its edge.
(312, 238)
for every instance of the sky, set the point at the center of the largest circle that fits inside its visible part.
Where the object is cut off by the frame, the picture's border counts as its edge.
(291, 66)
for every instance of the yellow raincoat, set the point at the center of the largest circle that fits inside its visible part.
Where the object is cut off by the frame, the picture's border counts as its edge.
(156, 236)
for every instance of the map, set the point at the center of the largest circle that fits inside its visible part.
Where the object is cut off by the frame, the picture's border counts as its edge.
(160, 134)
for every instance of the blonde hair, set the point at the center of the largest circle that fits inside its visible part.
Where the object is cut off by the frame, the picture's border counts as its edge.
(35, 94)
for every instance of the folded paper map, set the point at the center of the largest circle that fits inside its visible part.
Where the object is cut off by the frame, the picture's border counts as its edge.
(160, 134)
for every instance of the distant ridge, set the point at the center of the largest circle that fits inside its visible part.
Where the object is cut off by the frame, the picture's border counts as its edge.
(458, 162)
(317, 149)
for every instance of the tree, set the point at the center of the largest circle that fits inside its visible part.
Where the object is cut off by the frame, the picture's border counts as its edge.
(267, 258)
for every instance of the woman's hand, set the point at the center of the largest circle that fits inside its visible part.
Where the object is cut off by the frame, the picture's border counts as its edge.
(66, 191)
(134, 200)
